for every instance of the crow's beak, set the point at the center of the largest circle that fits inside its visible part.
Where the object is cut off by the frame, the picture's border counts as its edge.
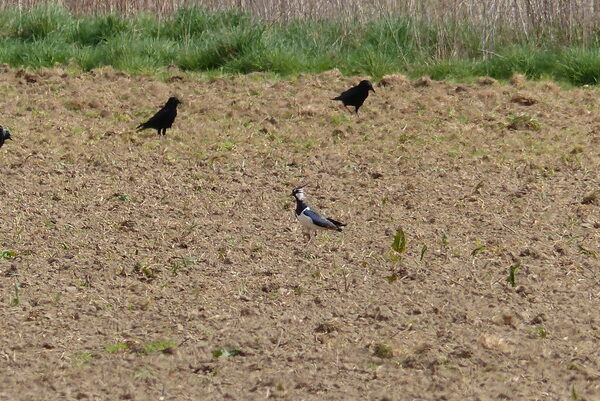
(10, 137)
(372, 89)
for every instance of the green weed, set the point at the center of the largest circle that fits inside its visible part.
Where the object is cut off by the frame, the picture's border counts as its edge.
(114, 348)
(165, 346)
(8, 254)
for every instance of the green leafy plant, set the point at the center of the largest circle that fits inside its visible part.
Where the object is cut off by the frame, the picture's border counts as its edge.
(8, 254)
(399, 244)
(541, 332)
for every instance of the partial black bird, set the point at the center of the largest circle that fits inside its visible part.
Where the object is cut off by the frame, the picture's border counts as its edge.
(164, 118)
(4, 135)
(312, 221)
(356, 95)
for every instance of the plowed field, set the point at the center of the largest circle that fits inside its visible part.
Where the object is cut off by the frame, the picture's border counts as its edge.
(143, 268)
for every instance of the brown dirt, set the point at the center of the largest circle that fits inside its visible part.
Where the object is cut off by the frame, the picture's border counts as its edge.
(139, 258)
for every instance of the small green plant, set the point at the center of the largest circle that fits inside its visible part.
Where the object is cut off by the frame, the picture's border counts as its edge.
(512, 272)
(540, 332)
(122, 197)
(383, 351)
(226, 146)
(114, 348)
(8, 254)
(574, 395)
(184, 265)
(587, 252)
(16, 300)
(478, 249)
(423, 250)
(165, 346)
(523, 121)
(140, 374)
(227, 352)
(445, 240)
(399, 244)
(81, 359)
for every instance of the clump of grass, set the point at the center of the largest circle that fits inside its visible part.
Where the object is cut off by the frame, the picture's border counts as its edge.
(114, 348)
(383, 351)
(523, 121)
(183, 265)
(512, 274)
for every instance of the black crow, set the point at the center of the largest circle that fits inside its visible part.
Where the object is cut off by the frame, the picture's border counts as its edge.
(164, 118)
(356, 95)
(4, 135)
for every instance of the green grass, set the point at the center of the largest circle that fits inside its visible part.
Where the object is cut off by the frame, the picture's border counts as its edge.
(195, 39)
(166, 346)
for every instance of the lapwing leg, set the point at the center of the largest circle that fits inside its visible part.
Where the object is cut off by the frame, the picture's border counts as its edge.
(310, 238)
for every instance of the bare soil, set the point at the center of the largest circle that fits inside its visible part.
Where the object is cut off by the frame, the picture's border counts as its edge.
(145, 268)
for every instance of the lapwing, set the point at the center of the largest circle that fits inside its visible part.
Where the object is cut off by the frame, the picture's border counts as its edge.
(4, 135)
(311, 221)
(356, 95)
(163, 119)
